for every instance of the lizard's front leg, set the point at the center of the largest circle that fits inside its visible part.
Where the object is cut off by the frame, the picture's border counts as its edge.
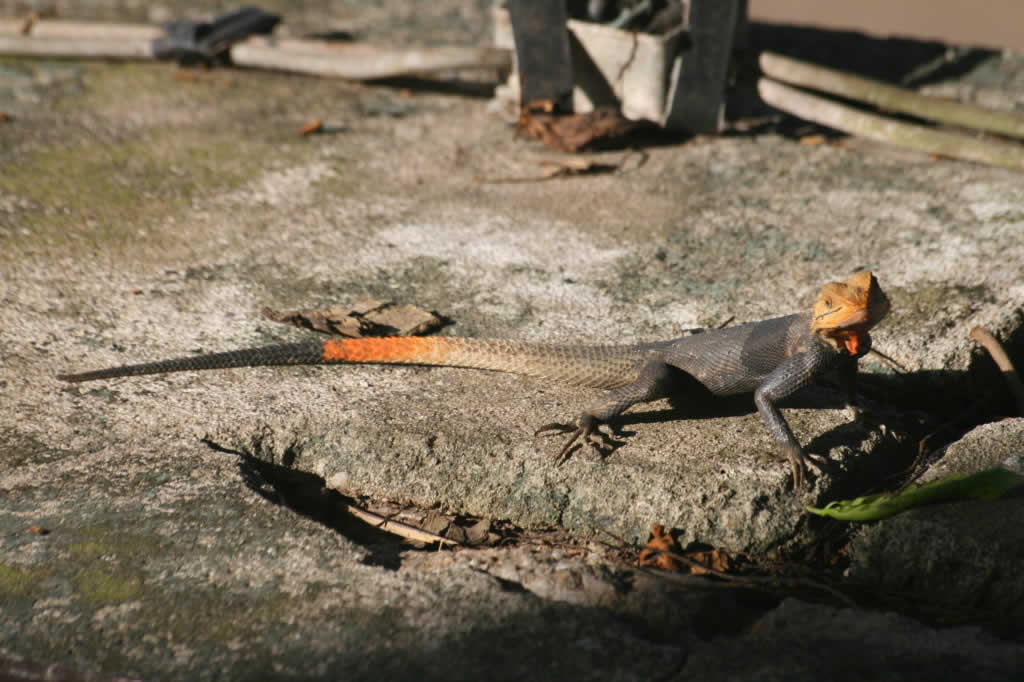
(790, 376)
(654, 382)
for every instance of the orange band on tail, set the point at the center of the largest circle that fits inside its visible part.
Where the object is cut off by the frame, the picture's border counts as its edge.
(396, 349)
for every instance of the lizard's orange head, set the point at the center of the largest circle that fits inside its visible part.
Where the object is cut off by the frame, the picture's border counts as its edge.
(845, 311)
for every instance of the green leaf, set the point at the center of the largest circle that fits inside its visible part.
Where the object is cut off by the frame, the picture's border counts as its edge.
(989, 484)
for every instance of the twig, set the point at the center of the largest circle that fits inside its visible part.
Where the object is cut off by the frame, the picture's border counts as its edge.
(764, 582)
(882, 129)
(397, 527)
(889, 361)
(1002, 360)
(555, 168)
(629, 13)
(890, 97)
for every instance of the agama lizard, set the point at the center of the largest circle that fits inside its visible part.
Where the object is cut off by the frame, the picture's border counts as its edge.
(772, 359)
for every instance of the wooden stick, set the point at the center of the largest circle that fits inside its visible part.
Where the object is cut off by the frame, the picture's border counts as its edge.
(50, 38)
(86, 48)
(890, 97)
(1002, 360)
(875, 127)
(398, 528)
(362, 62)
(77, 30)
(900, 369)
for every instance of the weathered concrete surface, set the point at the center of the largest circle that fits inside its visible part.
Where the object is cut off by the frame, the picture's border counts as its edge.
(143, 216)
(999, 444)
(789, 643)
(967, 557)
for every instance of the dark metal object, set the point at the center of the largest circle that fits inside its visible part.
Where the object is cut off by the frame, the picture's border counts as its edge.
(693, 57)
(698, 96)
(191, 42)
(542, 49)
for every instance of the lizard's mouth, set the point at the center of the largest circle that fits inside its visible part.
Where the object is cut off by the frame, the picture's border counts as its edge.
(850, 339)
(846, 328)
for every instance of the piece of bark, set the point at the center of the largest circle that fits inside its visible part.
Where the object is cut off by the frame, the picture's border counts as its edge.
(365, 318)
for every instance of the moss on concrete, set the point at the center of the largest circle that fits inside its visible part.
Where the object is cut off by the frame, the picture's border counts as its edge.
(923, 303)
(18, 581)
(142, 159)
(101, 587)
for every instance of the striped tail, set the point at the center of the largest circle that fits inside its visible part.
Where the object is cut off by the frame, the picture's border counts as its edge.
(594, 366)
(286, 354)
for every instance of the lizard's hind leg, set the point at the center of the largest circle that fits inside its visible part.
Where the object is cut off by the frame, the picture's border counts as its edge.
(654, 382)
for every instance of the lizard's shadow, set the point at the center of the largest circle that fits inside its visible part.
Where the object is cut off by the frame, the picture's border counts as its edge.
(690, 400)
(308, 495)
(896, 400)
(917, 413)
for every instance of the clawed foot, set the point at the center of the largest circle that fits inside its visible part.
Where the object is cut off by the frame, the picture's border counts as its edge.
(856, 414)
(587, 429)
(798, 460)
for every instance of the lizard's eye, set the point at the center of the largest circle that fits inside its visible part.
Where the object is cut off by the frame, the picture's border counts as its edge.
(827, 301)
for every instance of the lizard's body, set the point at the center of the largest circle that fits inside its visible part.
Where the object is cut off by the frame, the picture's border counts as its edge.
(772, 359)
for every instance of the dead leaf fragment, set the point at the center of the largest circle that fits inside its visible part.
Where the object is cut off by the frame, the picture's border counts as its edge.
(312, 126)
(38, 530)
(30, 19)
(657, 549)
(479, 533)
(715, 560)
(812, 140)
(572, 132)
(364, 318)
(435, 522)
(190, 74)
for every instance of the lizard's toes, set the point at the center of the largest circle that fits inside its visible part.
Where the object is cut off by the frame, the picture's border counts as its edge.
(574, 431)
(856, 414)
(798, 460)
(563, 454)
(556, 427)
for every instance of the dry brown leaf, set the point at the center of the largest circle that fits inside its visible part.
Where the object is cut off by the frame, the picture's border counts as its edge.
(190, 74)
(30, 20)
(312, 126)
(435, 522)
(654, 554)
(479, 533)
(364, 318)
(812, 139)
(572, 132)
(713, 560)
